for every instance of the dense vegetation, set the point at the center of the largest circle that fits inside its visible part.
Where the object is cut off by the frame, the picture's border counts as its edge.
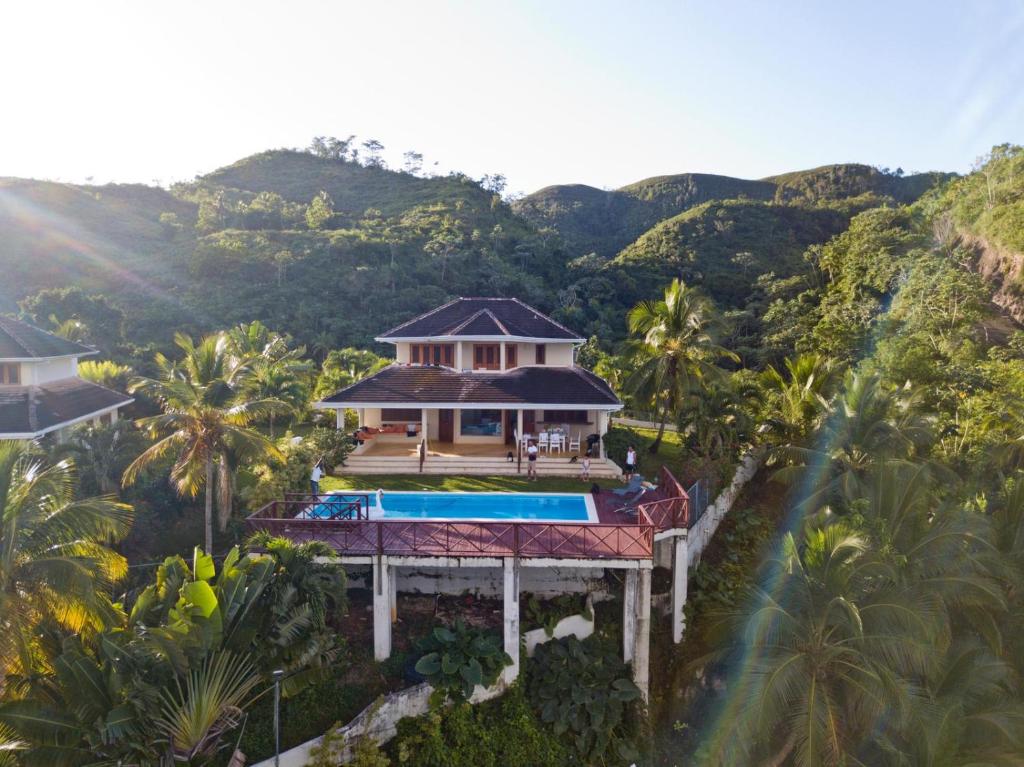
(841, 318)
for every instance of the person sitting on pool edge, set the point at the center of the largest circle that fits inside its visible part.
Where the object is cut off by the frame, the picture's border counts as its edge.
(531, 461)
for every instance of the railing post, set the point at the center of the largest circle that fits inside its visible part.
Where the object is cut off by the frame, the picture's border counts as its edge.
(380, 538)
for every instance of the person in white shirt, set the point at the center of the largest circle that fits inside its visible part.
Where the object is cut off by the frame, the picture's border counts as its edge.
(585, 468)
(314, 479)
(531, 461)
(630, 463)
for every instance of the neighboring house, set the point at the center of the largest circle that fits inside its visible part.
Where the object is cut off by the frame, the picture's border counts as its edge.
(471, 379)
(40, 391)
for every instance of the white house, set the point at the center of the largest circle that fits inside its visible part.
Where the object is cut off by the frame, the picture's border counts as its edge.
(472, 381)
(40, 391)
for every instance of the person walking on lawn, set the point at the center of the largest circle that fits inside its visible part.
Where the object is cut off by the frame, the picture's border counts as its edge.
(314, 479)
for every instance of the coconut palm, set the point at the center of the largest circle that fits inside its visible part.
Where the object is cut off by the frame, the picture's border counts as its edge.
(798, 396)
(869, 423)
(673, 350)
(54, 557)
(205, 415)
(823, 660)
(101, 453)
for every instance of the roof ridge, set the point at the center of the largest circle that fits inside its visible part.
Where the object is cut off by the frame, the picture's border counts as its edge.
(573, 333)
(6, 323)
(589, 376)
(418, 317)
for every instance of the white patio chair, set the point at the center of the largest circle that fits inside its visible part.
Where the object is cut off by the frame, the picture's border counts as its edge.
(574, 443)
(543, 441)
(557, 442)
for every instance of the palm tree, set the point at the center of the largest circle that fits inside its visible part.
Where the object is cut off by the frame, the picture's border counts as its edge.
(206, 415)
(101, 454)
(54, 557)
(869, 423)
(822, 659)
(799, 396)
(673, 350)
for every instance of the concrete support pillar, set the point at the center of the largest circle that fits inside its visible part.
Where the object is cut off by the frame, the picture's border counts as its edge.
(629, 616)
(680, 562)
(382, 575)
(339, 419)
(642, 646)
(424, 427)
(511, 623)
(393, 594)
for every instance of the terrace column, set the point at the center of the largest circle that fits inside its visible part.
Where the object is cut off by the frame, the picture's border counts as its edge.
(680, 562)
(602, 429)
(382, 575)
(113, 416)
(458, 356)
(423, 428)
(511, 623)
(629, 616)
(642, 646)
(339, 419)
(502, 352)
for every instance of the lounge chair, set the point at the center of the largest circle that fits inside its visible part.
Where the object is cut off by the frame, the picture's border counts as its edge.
(634, 484)
(630, 508)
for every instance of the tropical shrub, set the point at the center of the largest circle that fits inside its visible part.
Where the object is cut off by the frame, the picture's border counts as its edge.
(583, 690)
(457, 659)
(499, 733)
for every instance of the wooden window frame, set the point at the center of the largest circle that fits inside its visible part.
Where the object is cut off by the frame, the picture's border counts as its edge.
(10, 373)
(511, 356)
(486, 356)
(432, 354)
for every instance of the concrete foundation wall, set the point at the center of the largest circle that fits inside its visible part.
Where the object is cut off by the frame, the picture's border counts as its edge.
(487, 581)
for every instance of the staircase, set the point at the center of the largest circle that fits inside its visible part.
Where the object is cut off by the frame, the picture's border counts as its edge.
(473, 465)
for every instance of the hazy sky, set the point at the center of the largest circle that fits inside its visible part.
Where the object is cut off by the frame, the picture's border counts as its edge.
(545, 92)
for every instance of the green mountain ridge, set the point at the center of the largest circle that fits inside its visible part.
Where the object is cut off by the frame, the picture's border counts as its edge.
(604, 222)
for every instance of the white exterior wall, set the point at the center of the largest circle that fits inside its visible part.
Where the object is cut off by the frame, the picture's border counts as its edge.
(557, 355)
(49, 370)
(402, 352)
(371, 416)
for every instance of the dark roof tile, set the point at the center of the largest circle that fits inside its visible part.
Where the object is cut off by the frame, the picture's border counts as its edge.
(525, 385)
(19, 340)
(483, 317)
(34, 409)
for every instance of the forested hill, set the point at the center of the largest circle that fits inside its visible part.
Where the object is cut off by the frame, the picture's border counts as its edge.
(604, 222)
(331, 247)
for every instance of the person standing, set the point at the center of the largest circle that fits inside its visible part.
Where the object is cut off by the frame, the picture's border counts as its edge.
(314, 479)
(531, 461)
(630, 463)
(585, 468)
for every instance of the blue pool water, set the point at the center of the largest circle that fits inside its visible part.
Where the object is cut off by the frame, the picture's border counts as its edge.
(543, 507)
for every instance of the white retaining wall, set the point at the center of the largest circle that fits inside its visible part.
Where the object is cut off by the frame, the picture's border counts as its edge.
(380, 719)
(700, 533)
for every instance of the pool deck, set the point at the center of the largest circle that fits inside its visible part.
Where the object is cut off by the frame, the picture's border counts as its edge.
(618, 533)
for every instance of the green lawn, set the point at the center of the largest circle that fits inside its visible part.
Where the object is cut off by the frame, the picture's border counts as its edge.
(461, 482)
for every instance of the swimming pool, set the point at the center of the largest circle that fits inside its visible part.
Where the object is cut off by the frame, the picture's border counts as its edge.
(528, 507)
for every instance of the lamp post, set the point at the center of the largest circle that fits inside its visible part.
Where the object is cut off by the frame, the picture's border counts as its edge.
(277, 717)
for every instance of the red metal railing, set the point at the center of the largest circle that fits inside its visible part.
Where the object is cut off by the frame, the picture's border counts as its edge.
(672, 511)
(360, 536)
(348, 506)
